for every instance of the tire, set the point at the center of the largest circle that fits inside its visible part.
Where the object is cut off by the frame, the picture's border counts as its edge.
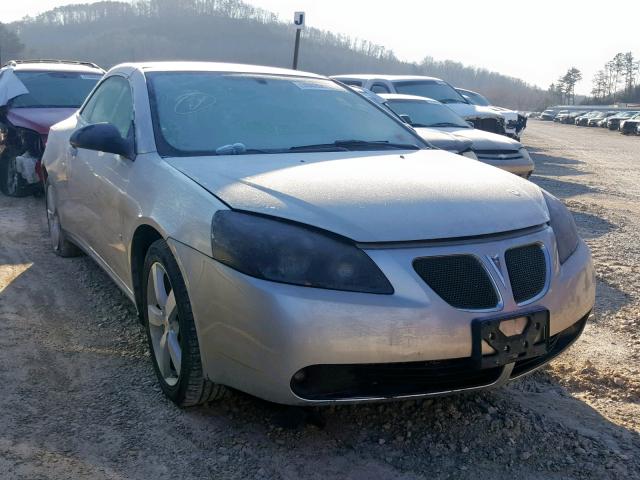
(171, 331)
(11, 182)
(59, 243)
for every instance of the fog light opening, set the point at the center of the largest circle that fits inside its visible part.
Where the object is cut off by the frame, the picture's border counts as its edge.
(300, 376)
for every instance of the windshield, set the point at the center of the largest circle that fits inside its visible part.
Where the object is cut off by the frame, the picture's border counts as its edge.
(475, 98)
(425, 114)
(436, 89)
(206, 113)
(54, 89)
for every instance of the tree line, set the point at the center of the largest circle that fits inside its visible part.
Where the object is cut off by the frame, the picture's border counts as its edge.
(112, 32)
(618, 80)
(564, 89)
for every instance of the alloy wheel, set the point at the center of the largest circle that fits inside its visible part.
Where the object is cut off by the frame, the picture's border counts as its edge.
(164, 328)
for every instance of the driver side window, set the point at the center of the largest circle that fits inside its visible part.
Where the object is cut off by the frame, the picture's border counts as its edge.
(111, 103)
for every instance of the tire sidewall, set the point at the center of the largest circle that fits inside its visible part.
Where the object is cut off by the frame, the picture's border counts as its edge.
(159, 252)
(48, 188)
(19, 188)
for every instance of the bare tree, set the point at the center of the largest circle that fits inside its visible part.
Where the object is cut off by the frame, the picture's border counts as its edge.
(599, 90)
(630, 72)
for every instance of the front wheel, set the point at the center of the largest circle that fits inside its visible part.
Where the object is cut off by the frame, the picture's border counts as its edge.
(171, 331)
(11, 182)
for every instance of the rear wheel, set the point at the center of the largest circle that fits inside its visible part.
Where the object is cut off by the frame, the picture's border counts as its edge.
(61, 246)
(11, 181)
(171, 331)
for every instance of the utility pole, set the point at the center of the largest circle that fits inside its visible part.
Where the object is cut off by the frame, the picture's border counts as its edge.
(298, 20)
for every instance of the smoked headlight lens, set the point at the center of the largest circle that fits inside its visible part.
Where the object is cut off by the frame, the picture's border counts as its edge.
(286, 252)
(563, 225)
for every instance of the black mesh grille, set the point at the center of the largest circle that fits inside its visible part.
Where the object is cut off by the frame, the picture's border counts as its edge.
(460, 280)
(527, 269)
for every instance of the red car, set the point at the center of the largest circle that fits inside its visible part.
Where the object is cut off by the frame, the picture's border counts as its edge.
(34, 95)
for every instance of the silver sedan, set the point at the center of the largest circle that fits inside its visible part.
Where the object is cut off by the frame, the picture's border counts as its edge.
(281, 235)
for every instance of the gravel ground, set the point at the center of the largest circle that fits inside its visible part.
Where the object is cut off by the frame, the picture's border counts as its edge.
(79, 398)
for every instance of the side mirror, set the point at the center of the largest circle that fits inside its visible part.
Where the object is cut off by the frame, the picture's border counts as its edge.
(406, 118)
(471, 124)
(103, 137)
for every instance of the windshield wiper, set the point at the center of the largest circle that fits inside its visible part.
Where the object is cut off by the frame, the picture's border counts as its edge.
(241, 149)
(349, 145)
(451, 100)
(420, 125)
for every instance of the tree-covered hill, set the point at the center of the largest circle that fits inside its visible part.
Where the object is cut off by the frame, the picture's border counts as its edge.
(112, 32)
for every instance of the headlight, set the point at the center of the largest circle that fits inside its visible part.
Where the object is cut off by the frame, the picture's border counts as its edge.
(470, 154)
(286, 252)
(563, 225)
(525, 154)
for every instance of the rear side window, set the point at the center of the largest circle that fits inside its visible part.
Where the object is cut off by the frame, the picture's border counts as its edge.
(111, 103)
(380, 88)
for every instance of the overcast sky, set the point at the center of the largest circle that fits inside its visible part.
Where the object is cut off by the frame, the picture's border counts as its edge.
(536, 40)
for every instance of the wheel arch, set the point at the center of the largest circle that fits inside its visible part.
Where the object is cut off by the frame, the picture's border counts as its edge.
(143, 237)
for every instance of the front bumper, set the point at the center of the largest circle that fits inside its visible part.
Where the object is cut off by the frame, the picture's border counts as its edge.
(255, 335)
(522, 167)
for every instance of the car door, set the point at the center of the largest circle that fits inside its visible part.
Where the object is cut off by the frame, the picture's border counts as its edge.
(99, 180)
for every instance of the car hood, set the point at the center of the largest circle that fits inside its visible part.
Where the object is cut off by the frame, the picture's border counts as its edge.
(444, 140)
(505, 112)
(468, 111)
(374, 196)
(485, 140)
(38, 119)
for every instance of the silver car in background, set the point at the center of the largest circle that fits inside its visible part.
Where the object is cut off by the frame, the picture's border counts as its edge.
(282, 235)
(426, 114)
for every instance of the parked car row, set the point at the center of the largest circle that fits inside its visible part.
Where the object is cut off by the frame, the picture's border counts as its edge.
(283, 234)
(471, 106)
(443, 128)
(626, 122)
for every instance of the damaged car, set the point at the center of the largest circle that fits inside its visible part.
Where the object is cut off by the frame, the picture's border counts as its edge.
(515, 122)
(483, 118)
(35, 94)
(426, 114)
(282, 235)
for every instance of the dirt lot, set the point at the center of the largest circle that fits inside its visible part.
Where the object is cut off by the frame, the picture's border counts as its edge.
(79, 398)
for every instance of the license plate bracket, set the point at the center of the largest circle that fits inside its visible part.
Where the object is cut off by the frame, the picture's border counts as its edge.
(533, 341)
